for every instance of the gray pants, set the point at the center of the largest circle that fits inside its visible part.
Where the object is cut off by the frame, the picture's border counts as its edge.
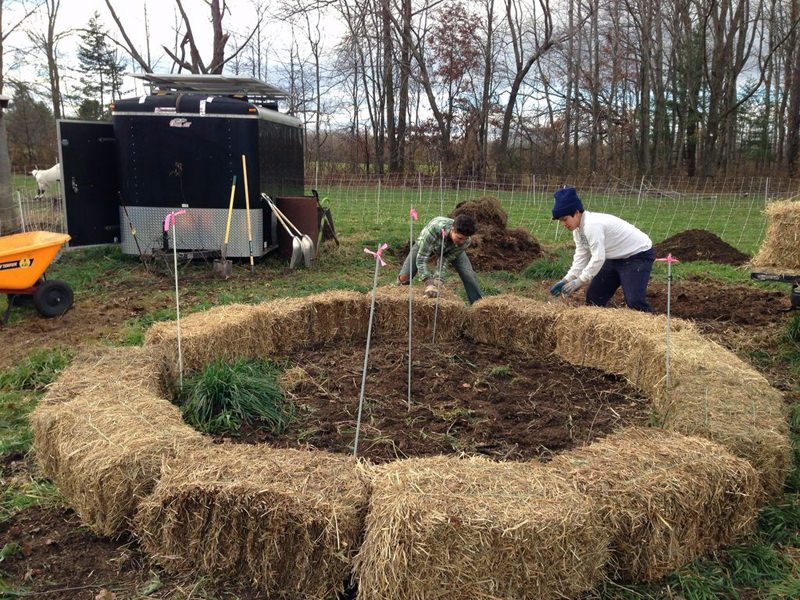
(461, 265)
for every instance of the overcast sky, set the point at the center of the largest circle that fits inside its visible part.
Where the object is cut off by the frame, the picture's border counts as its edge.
(161, 16)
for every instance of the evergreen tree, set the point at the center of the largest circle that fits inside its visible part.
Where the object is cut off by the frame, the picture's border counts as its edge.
(31, 131)
(100, 66)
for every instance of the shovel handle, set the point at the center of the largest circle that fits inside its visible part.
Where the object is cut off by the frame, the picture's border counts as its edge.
(230, 213)
(247, 208)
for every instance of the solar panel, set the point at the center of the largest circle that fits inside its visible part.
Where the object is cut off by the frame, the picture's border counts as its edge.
(212, 84)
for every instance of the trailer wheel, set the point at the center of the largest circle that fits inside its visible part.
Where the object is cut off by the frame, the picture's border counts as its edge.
(53, 298)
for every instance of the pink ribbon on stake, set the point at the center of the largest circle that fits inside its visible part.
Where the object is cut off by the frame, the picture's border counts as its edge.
(668, 259)
(444, 233)
(170, 218)
(413, 213)
(377, 254)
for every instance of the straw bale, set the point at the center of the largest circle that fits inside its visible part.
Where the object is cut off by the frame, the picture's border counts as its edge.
(296, 323)
(391, 313)
(223, 332)
(286, 522)
(470, 528)
(619, 341)
(514, 323)
(665, 498)
(716, 395)
(104, 450)
(780, 250)
(713, 393)
(137, 367)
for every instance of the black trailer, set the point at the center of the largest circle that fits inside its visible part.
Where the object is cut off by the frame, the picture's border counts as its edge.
(180, 147)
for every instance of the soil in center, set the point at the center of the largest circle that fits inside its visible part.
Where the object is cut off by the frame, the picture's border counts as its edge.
(466, 398)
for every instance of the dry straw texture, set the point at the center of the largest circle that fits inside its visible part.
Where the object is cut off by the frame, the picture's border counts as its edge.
(712, 393)
(297, 323)
(515, 323)
(665, 498)
(285, 522)
(137, 367)
(224, 332)
(105, 448)
(780, 250)
(443, 527)
(251, 331)
(391, 313)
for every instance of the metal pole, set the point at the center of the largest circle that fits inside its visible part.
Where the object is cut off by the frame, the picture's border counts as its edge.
(438, 286)
(366, 358)
(177, 303)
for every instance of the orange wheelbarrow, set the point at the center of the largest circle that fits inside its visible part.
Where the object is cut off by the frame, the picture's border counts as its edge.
(24, 257)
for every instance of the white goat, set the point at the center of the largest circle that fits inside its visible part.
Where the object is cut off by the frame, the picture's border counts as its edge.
(47, 177)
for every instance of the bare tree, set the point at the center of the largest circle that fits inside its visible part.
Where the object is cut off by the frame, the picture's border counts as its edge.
(47, 42)
(27, 10)
(194, 63)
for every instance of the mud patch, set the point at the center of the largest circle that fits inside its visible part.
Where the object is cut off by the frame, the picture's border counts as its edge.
(699, 244)
(466, 398)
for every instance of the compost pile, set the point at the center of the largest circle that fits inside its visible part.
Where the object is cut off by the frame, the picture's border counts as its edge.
(495, 247)
(466, 397)
(699, 244)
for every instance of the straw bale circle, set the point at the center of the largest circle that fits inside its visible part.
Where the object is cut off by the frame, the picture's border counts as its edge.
(298, 524)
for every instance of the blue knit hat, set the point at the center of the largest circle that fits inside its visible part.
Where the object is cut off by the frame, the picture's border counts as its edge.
(566, 202)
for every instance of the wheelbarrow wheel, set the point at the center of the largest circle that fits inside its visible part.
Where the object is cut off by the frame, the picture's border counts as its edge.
(53, 298)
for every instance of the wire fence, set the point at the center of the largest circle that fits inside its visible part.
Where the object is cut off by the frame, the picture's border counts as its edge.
(373, 206)
(731, 209)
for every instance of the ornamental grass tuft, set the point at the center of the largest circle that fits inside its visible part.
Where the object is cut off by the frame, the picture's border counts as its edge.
(225, 396)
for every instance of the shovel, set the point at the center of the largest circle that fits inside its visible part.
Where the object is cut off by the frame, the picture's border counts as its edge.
(223, 268)
(297, 246)
(306, 245)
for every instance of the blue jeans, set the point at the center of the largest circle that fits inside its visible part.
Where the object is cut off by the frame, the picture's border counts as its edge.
(632, 273)
(461, 265)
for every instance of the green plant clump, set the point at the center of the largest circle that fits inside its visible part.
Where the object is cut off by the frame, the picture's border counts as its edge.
(227, 395)
(37, 371)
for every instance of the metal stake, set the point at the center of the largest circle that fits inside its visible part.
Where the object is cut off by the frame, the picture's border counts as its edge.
(438, 286)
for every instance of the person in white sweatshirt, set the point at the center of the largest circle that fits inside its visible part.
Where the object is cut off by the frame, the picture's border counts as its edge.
(609, 253)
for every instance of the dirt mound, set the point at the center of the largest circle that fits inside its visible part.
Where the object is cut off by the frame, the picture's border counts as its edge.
(699, 244)
(495, 248)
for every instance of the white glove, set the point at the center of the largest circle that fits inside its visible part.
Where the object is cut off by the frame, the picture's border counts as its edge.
(431, 291)
(571, 286)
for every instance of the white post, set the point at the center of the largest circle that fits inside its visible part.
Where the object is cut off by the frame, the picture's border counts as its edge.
(21, 213)
(177, 303)
(366, 353)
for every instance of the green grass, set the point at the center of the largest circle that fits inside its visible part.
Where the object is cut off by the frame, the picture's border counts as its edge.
(35, 371)
(225, 396)
(738, 220)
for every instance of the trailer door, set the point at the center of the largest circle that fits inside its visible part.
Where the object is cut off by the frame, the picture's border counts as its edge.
(89, 182)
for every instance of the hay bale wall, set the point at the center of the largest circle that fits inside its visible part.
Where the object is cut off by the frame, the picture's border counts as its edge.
(285, 522)
(780, 250)
(449, 528)
(514, 323)
(391, 314)
(260, 330)
(712, 393)
(104, 450)
(659, 493)
(136, 367)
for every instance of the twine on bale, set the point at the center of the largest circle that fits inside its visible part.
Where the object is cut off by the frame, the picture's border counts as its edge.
(379, 262)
